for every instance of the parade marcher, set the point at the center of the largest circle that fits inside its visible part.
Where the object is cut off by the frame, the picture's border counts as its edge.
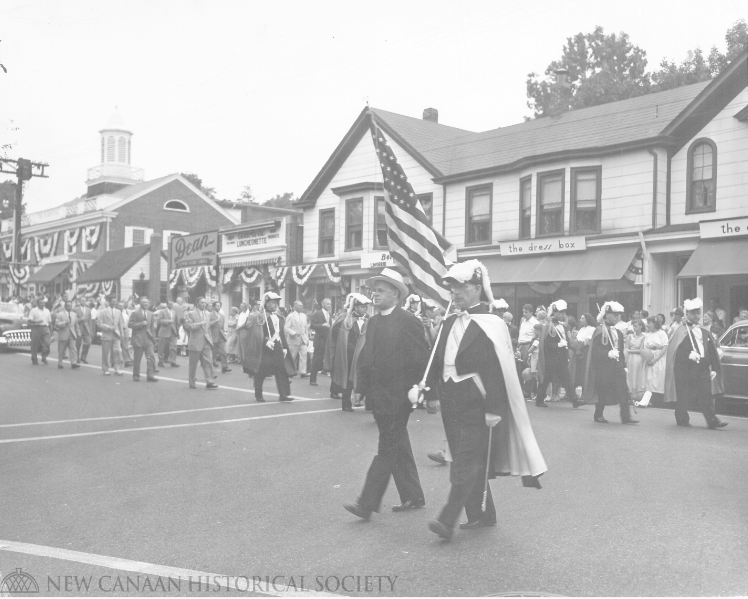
(499, 306)
(268, 349)
(183, 338)
(654, 354)
(391, 360)
(525, 338)
(344, 336)
(232, 338)
(605, 371)
(109, 320)
(218, 332)
(86, 330)
(553, 357)
(40, 320)
(297, 337)
(168, 333)
(693, 372)
(125, 310)
(197, 325)
(473, 378)
(141, 322)
(68, 331)
(320, 323)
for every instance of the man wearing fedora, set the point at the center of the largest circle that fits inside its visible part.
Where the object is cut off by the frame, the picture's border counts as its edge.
(392, 359)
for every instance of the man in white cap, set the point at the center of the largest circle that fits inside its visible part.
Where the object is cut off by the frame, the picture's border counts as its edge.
(693, 372)
(268, 349)
(344, 337)
(474, 380)
(605, 374)
(391, 361)
(553, 357)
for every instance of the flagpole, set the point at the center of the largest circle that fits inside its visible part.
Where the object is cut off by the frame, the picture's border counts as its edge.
(488, 465)
(422, 384)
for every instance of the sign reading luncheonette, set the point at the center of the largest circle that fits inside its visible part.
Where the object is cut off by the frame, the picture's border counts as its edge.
(376, 260)
(543, 245)
(255, 237)
(199, 249)
(733, 227)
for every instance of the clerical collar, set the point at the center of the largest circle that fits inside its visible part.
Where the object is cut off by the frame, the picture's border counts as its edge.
(388, 311)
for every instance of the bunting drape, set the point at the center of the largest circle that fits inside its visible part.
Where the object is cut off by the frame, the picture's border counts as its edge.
(71, 240)
(19, 274)
(46, 246)
(301, 273)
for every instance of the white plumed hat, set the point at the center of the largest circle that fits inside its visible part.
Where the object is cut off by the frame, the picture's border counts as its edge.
(471, 271)
(499, 304)
(354, 298)
(693, 304)
(558, 306)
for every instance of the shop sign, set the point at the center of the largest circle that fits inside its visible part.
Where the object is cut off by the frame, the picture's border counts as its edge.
(199, 249)
(543, 245)
(376, 260)
(251, 239)
(724, 228)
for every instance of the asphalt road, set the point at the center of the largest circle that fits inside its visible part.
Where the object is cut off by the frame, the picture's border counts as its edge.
(98, 469)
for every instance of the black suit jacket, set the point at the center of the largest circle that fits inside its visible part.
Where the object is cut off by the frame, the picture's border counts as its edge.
(389, 365)
(316, 323)
(476, 353)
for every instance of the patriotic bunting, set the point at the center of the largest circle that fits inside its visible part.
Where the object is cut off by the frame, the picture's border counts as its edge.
(71, 240)
(249, 275)
(301, 273)
(332, 270)
(8, 251)
(636, 268)
(91, 237)
(279, 276)
(47, 246)
(20, 273)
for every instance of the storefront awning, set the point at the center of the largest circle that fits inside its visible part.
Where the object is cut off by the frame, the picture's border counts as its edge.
(721, 257)
(593, 264)
(112, 265)
(243, 263)
(49, 272)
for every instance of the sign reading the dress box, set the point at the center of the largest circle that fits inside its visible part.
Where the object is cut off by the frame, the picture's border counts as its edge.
(724, 228)
(543, 245)
(200, 249)
(259, 237)
(376, 260)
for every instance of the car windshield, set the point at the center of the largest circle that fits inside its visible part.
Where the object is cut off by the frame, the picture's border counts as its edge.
(10, 308)
(737, 337)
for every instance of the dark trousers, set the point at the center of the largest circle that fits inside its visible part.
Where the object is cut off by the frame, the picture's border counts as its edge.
(150, 360)
(556, 372)
(167, 349)
(394, 459)
(40, 342)
(623, 402)
(272, 365)
(464, 417)
(694, 388)
(219, 353)
(317, 358)
(346, 395)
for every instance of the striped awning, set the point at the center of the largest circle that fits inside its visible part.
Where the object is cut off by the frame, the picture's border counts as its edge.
(245, 263)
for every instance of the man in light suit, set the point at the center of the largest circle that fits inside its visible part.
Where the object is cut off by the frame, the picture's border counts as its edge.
(218, 334)
(143, 341)
(297, 336)
(86, 328)
(168, 332)
(320, 323)
(66, 325)
(109, 320)
(197, 324)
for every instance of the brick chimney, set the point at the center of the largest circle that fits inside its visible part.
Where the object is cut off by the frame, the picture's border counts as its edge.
(431, 114)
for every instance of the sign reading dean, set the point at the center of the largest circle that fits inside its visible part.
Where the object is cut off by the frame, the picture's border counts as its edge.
(198, 249)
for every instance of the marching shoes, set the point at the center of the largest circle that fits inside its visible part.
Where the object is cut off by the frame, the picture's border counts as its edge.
(718, 424)
(600, 419)
(406, 506)
(358, 510)
(477, 524)
(441, 529)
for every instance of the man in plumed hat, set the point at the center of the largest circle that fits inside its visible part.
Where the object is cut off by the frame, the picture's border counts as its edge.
(474, 380)
(268, 348)
(693, 372)
(605, 373)
(391, 360)
(341, 347)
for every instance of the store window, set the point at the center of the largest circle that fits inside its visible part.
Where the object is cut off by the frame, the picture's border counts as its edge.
(551, 203)
(479, 214)
(701, 185)
(427, 203)
(380, 234)
(585, 200)
(327, 232)
(525, 207)
(354, 224)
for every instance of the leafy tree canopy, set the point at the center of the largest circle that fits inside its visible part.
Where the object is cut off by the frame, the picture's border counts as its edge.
(198, 182)
(282, 200)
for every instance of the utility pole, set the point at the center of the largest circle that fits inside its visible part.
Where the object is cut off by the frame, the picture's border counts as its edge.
(24, 170)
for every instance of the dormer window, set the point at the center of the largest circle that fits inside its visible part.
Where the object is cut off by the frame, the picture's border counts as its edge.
(177, 205)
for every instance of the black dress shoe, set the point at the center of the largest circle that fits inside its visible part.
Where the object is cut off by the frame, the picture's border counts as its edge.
(174, 365)
(285, 398)
(225, 370)
(441, 529)
(718, 425)
(577, 402)
(151, 379)
(348, 409)
(75, 366)
(600, 419)
(437, 457)
(688, 424)
(335, 395)
(193, 387)
(541, 405)
(357, 510)
(259, 399)
(211, 386)
(409, 505)
(477, 524)
(314, 384)
(136, 380)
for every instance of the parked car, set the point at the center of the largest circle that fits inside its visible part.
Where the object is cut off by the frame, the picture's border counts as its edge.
(734, 346)
(12, 317)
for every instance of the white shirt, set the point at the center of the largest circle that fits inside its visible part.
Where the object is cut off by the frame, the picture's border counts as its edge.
(327, 315)
(276, 324)
(453, 344)
(40, 314)
(241, 320)
(697, 334)
(388, 311)
(527, 330)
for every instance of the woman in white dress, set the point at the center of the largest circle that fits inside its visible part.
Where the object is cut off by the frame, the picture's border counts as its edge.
(634, 344)
(656, 342)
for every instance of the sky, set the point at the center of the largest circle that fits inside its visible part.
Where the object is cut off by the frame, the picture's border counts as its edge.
(260, 93)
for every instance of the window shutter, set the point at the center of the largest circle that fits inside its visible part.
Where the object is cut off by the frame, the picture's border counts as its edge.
(128, 237)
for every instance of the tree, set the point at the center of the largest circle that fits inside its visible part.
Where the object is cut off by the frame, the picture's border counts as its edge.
(198, 182)
(601, 68)
(246, 197)
(284, 200)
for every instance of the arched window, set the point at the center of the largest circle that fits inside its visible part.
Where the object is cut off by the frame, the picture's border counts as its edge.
(178, 205)
(701, 184)
(110, 148)
(122, 143)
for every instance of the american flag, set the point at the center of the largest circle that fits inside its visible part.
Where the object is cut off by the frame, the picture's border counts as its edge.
(414, 245)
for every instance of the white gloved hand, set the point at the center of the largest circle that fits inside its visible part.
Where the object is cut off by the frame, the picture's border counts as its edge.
(415, 395)
(563, 343)
(270, 344)
(713, 374)
(695, 356)
(492, 419)
(613, 354)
